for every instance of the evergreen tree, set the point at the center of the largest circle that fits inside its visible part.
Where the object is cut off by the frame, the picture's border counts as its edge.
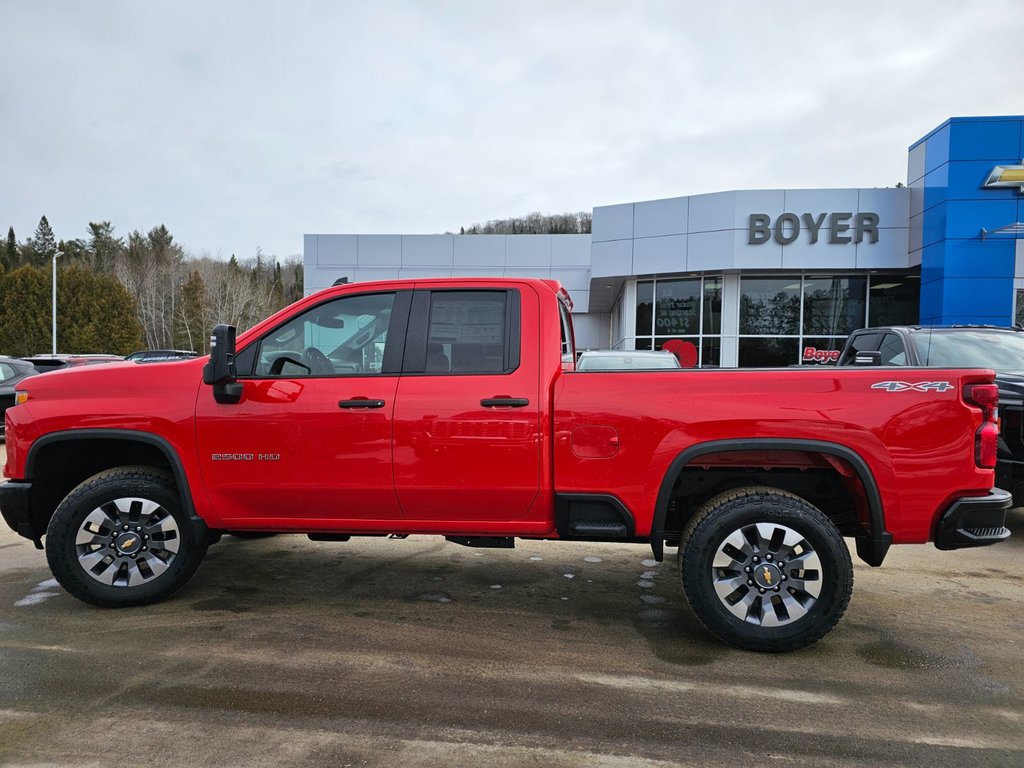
(95, 313)
(296, 289)
(25, 311)
(277, 292)
(39, 249)
(9, 257)
(191, 330)
(104, 247)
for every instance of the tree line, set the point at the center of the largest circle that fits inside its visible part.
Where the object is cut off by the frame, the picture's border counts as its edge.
(534, 224)
(119, 294)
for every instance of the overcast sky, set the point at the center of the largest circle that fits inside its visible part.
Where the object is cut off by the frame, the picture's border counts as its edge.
(245, 124)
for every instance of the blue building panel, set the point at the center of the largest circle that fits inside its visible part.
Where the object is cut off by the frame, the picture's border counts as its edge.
(936, 153)
(931, 301)
(976, 258)
(967, 179)
(967, 275)
(966, 218)
(984, 140)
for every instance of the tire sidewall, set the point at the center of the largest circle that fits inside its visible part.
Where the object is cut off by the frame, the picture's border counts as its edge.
(698, 552)
(61, 552)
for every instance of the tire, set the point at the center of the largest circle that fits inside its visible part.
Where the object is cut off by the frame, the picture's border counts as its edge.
(121, 538)
(768, 607)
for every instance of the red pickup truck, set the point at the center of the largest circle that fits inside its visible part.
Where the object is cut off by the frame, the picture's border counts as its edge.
(451, 407)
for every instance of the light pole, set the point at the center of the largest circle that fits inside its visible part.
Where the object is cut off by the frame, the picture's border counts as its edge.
(56, 254)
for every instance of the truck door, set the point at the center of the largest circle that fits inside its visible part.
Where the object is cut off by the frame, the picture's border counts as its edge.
(467, 413)
(311, 437)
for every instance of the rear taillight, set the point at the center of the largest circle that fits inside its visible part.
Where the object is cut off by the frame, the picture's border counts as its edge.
(986, 439)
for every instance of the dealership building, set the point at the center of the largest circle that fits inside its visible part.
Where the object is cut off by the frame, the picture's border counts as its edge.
(760, 277)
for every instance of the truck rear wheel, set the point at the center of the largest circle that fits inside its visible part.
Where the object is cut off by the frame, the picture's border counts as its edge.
(764, 570)
(121, 538)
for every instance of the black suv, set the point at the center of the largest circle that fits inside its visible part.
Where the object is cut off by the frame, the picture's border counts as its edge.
(960, 346)
(12, 371)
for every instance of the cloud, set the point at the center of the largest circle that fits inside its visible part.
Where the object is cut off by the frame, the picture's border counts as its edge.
(245, 124)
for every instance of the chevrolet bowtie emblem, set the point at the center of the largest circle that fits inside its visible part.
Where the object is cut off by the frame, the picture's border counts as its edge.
(128, 543)
(1006, 176)
(767, 576)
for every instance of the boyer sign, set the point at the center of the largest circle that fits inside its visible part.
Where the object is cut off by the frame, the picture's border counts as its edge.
(840, 228)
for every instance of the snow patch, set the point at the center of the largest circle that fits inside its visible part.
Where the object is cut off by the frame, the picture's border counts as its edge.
(435, 597)
(645, 584)
(35, 598)
(591, 559)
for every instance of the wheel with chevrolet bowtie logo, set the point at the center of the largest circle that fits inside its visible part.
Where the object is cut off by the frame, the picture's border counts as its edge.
(764, 569)
(121, 538)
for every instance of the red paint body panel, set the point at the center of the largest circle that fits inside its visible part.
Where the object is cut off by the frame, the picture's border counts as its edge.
(433, 460)
(918, 446)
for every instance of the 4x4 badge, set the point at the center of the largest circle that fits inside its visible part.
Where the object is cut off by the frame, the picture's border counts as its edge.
(906, 386)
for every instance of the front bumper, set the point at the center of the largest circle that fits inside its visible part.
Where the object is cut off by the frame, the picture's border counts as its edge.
(14, 506)
(974, 521)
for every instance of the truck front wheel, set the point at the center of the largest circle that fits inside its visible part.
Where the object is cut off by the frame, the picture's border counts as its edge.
(121, 538)
(765, 570)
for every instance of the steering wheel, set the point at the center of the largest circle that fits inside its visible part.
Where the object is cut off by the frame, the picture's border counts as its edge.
(317, 361)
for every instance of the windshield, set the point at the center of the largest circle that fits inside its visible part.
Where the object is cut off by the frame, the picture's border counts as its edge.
(1001, 351)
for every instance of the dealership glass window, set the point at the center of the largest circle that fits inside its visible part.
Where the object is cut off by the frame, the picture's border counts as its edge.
(1018, 310)
(834, 305)
(677, 308)
(812, 315)
(712, 307)
(644, 307)
(767, 351)
(894, 299)
(689, 309)
(769, 306)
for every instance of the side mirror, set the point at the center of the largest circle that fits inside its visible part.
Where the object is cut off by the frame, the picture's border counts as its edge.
(868, 358)
(220, 371)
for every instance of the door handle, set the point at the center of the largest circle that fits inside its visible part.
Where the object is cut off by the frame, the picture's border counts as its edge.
(361, 402)
(505, 402)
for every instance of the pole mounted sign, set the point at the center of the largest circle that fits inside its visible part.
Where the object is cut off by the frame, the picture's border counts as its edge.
(787, 227)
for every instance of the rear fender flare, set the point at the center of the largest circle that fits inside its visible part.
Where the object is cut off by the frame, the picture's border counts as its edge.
(871, 546)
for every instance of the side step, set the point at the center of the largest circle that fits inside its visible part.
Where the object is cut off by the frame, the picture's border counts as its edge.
(487, 542)
(600, 528)
(593, 516)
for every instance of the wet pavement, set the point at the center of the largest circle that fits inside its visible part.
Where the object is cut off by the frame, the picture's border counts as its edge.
(283, 651)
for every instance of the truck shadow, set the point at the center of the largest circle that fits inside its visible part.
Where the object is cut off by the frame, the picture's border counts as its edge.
(429, 583)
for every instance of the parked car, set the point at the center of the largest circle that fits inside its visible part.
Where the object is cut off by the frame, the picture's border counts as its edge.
(960, 346)
(46, 363)
(625, 360)
(160, 355)
(12, 371)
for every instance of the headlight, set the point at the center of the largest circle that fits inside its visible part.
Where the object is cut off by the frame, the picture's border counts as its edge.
(20, 396)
